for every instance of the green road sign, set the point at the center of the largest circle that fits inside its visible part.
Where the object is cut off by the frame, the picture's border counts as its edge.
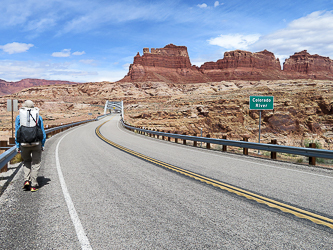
(261, 102)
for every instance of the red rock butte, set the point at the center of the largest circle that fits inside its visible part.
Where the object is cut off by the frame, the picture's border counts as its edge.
(172, 64)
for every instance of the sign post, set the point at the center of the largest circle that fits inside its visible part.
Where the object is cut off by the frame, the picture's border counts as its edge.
(261, 103)
(12, 105)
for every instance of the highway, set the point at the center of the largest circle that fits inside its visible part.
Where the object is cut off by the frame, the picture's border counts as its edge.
(154, 194)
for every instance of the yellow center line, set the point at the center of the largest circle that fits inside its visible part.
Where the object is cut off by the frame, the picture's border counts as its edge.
(316, 218)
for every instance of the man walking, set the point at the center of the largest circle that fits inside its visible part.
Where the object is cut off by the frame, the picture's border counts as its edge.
(30, 138)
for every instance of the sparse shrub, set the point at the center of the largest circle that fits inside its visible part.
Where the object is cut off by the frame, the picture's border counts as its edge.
(300, 160)
(307, 143)
(266, 153)
(17, 158)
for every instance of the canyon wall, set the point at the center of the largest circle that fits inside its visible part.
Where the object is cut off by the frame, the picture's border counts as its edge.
(172, 64)
(313, 66)
(243, 65)
(169, 64)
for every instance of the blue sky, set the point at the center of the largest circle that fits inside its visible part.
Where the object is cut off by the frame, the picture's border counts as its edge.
(96, 40)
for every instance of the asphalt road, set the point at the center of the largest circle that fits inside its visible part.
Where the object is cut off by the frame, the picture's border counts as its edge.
(95, 196)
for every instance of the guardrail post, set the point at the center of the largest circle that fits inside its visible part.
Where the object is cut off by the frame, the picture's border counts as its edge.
(163, 137)
(245, 150)
(195, 143)
(224, 147)
(312, 160)
(184, 141)
(169, 138)
(53, 132)
(273, 154)
(158, 137)
(176, 139)
(12, 141)
(208, 144)
(3, 144)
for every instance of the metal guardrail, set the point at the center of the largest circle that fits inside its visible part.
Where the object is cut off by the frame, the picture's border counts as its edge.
(102, 116)
(309, 152)
(7, 156)
(10, 154)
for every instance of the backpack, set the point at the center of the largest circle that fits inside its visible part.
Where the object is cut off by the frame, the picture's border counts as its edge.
(29, 131)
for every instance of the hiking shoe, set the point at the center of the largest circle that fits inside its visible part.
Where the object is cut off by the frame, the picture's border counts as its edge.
(26, 185)
(33, 189)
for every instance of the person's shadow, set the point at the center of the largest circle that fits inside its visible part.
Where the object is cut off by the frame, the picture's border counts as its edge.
(42, 181)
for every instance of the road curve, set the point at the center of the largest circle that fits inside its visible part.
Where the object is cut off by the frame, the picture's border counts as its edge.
(123, 202)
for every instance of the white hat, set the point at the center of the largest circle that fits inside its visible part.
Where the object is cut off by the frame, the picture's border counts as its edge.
(28, 104)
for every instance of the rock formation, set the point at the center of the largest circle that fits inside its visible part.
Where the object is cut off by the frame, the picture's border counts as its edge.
(172, 64)
(169, 64)
(243, 65)
(7, 88)
(313, 66)
(303, 109)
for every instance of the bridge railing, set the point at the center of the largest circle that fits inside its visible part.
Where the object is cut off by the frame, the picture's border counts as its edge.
(11, 152)
(312, 153)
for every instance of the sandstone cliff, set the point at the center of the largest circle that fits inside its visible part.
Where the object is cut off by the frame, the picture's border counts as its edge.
(244, 65)
(171, 64)
(313, 66)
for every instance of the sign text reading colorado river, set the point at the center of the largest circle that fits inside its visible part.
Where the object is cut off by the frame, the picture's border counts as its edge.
(261, 102)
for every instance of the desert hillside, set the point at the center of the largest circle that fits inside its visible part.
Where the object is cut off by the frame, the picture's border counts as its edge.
(7, 88)
(302, 108)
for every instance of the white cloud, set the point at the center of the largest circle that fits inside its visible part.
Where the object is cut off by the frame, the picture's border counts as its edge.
(17, 70)
(312, 32)
(67, 53)
(234, 41)
(63, 53)
(217, 3)
(88, 61)
(126, 65)
(40, 25)
(78, 53)
(13, 48)
(202, 5)
(103, 14)
(107, 75)
(197, 63)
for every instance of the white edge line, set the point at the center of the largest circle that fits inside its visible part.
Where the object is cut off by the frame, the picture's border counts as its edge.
(261, 164)
(84, 241)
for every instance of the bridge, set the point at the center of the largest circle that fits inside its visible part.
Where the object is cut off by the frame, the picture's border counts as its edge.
(104, 187)
(117, 106)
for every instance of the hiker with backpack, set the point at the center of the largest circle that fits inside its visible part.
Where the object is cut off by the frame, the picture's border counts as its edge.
(30, 138)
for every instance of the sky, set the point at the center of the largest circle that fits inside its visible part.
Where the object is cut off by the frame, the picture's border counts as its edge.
(96, 40)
